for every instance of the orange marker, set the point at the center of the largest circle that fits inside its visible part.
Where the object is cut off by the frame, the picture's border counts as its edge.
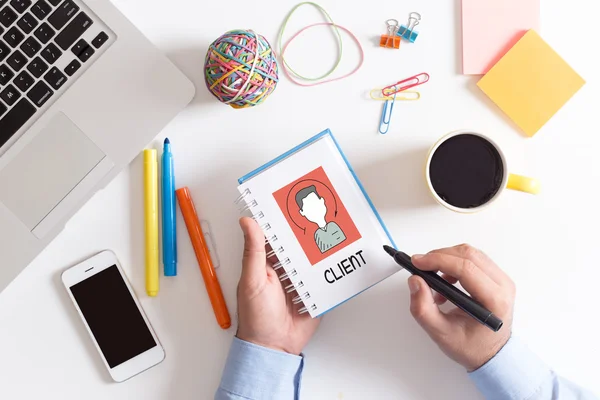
(186, 205)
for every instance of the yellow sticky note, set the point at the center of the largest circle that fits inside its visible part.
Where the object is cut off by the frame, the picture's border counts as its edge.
(531, 83)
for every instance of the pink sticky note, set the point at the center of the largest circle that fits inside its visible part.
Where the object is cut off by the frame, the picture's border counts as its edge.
(492, 27)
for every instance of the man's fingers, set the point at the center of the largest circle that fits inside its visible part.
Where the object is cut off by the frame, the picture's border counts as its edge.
(473, 279)
(449, 279)
(438, 298)
(424, 310)
(479, 258)
(271, 256)
(255, 259)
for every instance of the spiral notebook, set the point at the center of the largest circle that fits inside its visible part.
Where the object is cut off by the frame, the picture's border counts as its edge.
(320, 223)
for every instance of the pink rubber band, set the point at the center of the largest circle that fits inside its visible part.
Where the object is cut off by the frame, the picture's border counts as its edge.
(287, 73)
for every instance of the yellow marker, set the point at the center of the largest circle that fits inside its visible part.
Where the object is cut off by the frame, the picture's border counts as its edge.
(151, 220)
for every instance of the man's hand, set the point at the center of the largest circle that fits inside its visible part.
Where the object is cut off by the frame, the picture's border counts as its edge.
(267, 316)
(461, 337)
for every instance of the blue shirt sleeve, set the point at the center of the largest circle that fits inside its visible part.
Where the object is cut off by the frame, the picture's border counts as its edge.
(515, 373)
(256, 373)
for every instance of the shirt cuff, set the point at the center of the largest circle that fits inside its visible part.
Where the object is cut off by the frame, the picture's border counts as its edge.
(515, 373)
(256, 372)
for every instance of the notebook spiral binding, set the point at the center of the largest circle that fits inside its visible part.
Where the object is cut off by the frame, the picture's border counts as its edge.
(278, 251)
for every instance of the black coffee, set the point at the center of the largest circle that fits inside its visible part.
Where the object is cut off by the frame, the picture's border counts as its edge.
(466, 171)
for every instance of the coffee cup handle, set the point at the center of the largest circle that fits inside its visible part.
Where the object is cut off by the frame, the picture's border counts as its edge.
(523, 184)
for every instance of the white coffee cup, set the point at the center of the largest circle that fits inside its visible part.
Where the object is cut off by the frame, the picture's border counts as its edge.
(509, 181)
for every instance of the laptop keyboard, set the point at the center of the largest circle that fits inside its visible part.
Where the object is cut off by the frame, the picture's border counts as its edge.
(41, 49)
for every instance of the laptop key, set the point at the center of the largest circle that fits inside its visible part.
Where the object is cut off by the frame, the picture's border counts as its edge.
(44, 33)
(73, 30)
(30, 47)
(5, 74)
(7, 16)
(10, 95)
(3, 108)
(41, 9)
(27, 23)
(23, 81)
(63, 14)
(86, 54)
(40, 93)
(17, 60)
(20, 5)
(100, 40)
(55, 78)
(72, 67)
(37, 67)
(79, 46)
(51, 53)
(4, 50)
(13, 37)
(15, 119)
(55, 2)
(83, 50)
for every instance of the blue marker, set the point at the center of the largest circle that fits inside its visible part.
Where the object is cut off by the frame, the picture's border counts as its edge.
(169, 224)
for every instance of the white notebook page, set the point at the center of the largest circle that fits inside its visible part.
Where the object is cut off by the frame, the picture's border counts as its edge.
(344, 272)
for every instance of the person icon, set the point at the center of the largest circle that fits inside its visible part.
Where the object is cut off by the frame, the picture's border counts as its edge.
(313, 208)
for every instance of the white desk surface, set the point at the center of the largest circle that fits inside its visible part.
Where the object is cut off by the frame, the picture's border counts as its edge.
(370, 347)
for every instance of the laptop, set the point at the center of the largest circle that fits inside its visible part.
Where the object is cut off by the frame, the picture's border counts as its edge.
(82, 91)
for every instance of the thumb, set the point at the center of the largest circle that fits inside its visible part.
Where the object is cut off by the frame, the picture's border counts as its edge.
(424, 309)
(255, 259)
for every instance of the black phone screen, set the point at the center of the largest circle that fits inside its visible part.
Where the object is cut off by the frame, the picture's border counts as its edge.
(113, 316)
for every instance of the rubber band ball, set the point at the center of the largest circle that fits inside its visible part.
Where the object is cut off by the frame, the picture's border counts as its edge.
(241, 69)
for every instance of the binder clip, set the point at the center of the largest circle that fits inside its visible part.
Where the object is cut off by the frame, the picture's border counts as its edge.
(391, 40)
(408, 31)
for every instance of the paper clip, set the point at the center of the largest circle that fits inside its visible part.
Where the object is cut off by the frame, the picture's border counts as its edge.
(391, 40)
(407, 95)
(386, 116)
(408, 31)
(405, 84)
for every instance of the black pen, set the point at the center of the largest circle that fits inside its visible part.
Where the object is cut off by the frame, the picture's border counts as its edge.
(450, 292)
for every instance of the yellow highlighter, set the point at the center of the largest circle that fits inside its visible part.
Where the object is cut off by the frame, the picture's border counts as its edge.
(151, 220)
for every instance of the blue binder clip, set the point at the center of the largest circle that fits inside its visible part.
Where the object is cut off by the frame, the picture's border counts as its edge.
(408, 31)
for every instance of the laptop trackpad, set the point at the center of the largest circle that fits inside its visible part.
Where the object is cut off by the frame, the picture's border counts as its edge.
(48, 170)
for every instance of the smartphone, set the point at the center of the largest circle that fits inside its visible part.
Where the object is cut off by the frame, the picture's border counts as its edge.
(112, 315)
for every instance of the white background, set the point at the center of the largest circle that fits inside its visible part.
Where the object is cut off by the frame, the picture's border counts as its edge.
(370, 347)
